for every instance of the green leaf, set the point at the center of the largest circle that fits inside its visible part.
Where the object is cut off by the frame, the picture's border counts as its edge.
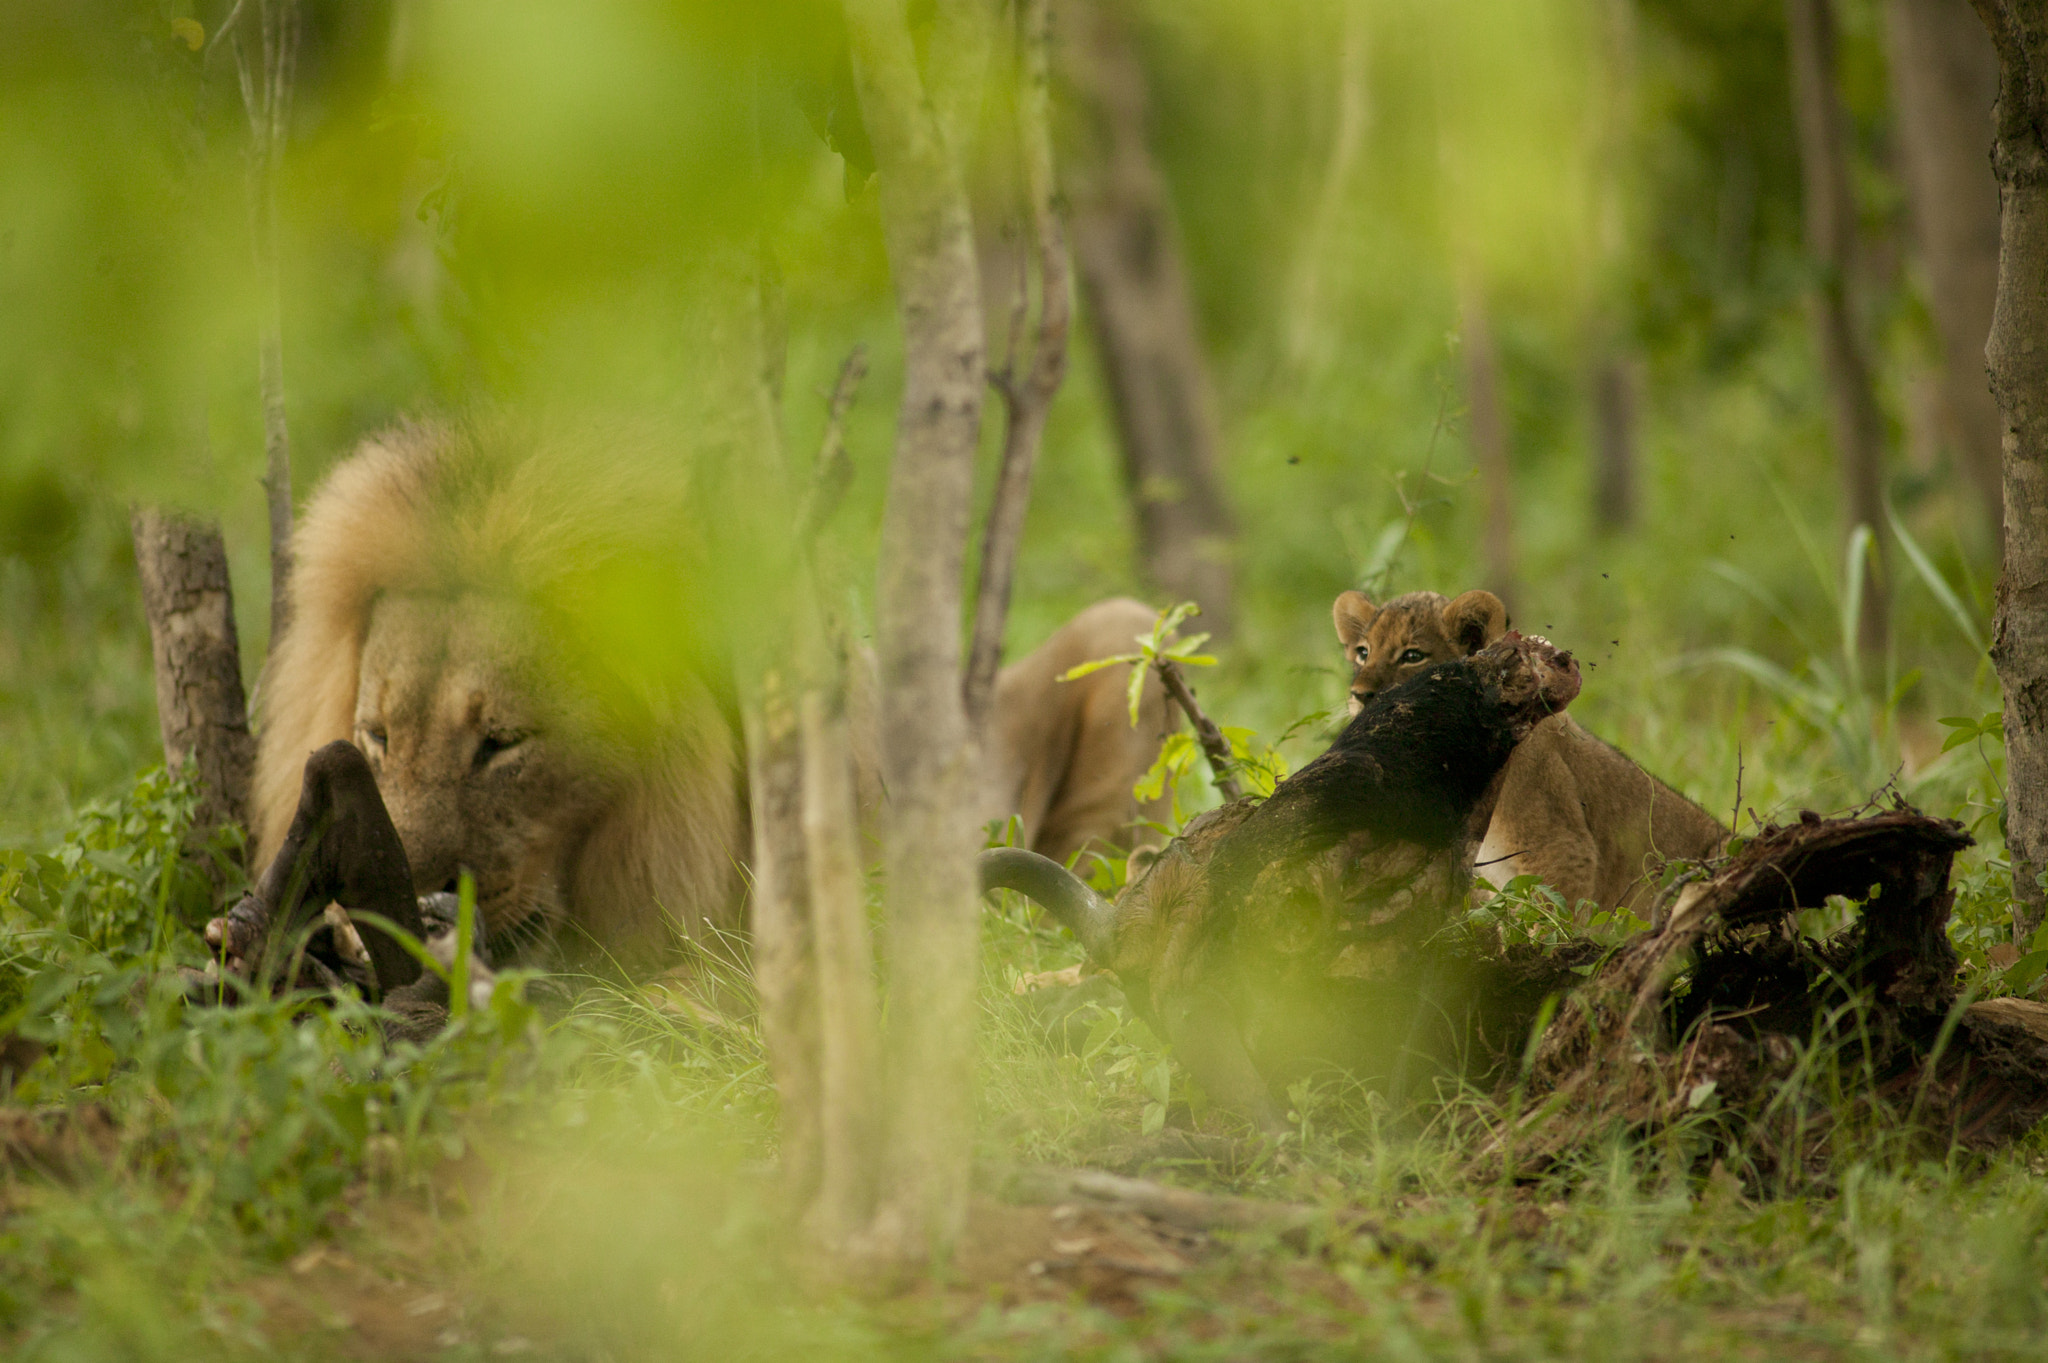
(1137, 691)
(1097, 664)
(1159, 1082)
(2022, 974)
(1155, 1118)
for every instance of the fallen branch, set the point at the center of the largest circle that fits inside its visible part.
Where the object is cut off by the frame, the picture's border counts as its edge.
(1629, 1051)
(1214, 745)
(1045, 1185)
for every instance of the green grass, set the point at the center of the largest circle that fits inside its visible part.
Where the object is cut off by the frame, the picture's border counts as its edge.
(595, 1184)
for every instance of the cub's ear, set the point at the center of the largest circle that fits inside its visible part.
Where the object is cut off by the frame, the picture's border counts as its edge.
(1353, 613)
(1474, 620)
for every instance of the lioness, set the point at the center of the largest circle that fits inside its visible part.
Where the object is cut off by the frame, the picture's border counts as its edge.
(1573, 810)
(445, 576)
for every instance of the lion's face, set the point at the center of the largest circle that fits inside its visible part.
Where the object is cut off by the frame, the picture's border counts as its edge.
(1389, 644)
(478, 769)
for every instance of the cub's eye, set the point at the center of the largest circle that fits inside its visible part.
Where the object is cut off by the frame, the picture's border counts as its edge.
(1360, 652)
(492, 744)
(375, 733)
(1413, 655)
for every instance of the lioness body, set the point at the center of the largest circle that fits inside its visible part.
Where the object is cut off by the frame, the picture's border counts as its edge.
(440, 576)
(1573, 811)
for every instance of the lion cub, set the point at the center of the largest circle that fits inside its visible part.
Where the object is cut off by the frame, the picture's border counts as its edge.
(1573, 810)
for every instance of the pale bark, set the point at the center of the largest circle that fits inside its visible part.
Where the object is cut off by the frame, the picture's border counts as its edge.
(848, 1009)
(201, 709)
(1944, 77)
(1027, 396)
(1127, 249)
(266, 82)
(784, 955)
(930, 835)
(1487, 429)
(2018, 358)
(1830, 211)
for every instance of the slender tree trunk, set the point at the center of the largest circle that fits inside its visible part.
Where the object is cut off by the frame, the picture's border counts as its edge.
(1027, 396)
(1488, 431)
(1306, 322)
(1127, 249)
(2018, 358)
(929, 840)
(1614, 442)
(1831, 240)
(266, 81)
(1615, 372)
(200, 706)
(848, 1010)
(784, 955)
(1944, 77)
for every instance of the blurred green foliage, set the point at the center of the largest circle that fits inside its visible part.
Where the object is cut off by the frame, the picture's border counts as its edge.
(556, 208)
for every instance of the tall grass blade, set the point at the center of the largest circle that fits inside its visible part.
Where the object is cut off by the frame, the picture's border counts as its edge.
(1964, 618)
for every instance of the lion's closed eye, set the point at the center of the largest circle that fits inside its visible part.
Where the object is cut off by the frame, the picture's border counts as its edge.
(490, 745)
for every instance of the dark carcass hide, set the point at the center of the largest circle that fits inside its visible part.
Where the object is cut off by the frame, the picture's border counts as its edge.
(1274, 937)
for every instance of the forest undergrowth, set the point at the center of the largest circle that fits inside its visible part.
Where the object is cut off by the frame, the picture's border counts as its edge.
(591, 1179)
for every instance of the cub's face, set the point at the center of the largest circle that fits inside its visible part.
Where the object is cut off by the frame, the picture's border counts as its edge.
(1388, 644)
(477, 768)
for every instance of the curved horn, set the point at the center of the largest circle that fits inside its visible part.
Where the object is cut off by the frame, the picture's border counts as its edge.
(1089, 916)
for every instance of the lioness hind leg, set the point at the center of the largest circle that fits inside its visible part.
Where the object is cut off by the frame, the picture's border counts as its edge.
(1066, 751)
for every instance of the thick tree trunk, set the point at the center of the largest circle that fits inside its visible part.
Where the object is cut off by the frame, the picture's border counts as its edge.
(1127, 248)
(200, 705)
(1487, 429)
(926, 756)
(2018, 358)
(1944, 77)
(1831, 240)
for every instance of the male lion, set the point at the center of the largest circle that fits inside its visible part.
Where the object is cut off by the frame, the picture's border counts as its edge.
(1573, 810)
(448, 581)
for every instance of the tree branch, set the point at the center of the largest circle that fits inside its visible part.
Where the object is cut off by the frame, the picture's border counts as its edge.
(1026, 403)
(1214, 745)
(832, 475)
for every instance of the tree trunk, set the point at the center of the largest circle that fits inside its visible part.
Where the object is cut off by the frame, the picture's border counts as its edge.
(930, 835)
(1488, 432)
(1027, 396)
(784, 954)
(1306, 323)
(1614, 442)
(200, 705)
(2018, 357)
(1831, 240)
(267, 98)
(1944, 76)
(1127, 248)
(848, 1010)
